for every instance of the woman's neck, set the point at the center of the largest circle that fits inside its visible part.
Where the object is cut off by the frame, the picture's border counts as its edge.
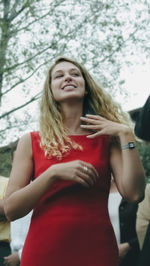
(72, 123)
(71, 118)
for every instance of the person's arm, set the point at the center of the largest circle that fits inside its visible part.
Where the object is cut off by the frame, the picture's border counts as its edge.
(142, 125)
(128, 171)
(23, 195)
(126, 165)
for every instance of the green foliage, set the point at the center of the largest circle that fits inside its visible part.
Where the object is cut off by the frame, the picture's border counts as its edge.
(144, 150)
(5, 163)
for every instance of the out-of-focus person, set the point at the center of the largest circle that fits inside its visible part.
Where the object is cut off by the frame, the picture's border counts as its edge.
(142, 125)
(123, 218)
(19, 230)
(142, 130)
(143, 217)
(143, 228)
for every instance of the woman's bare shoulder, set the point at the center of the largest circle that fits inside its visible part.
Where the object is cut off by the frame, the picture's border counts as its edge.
(24, 143)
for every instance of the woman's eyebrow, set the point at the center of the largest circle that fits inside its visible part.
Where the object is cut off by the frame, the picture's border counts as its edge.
(58, 71)
(71, 69)
(61, 71)
(76, 69)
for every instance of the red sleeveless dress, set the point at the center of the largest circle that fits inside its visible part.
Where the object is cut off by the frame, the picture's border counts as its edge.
(70, 225)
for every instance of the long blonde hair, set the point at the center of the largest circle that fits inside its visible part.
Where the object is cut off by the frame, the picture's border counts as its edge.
(54, 138)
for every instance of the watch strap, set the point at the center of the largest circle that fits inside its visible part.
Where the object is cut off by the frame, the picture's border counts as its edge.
(129, 146)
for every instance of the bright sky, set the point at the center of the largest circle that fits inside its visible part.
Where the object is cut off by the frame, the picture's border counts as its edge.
(137, 85)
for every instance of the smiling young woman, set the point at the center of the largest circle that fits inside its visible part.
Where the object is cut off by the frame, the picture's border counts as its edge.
(67, 78)
(70, 161)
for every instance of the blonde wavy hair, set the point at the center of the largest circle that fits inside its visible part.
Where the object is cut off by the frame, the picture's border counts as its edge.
(54, 138)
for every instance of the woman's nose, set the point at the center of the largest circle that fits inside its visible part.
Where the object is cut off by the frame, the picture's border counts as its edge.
(68, 77)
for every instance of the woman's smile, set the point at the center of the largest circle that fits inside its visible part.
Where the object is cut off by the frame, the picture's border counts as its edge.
(69, 87)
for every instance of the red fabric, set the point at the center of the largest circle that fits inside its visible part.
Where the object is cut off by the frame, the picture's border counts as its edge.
(70, 225)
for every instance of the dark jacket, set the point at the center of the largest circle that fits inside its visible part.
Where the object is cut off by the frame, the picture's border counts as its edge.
(127, 216)
(142, 125)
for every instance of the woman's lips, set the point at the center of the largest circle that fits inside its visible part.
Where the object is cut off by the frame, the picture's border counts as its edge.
(69, 87)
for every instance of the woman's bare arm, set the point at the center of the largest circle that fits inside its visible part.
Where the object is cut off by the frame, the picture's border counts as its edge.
(126, 165)
(21, 195)
(128, 173)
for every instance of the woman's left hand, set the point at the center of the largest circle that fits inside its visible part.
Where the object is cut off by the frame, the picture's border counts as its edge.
(102, 126)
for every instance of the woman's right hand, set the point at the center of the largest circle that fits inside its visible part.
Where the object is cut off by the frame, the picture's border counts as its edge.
(78, 171)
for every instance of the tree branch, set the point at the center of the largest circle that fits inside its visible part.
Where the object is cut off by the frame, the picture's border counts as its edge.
(15, 14)
(28, 25)
(29, 59)
(14, 8)
(36, 97)
(6, 8)
(23, 80)
(14, 126)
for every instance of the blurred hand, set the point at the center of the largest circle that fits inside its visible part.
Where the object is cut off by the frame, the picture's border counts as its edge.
(102, 126)
(123, 250)
(12, 260)
(78, 171)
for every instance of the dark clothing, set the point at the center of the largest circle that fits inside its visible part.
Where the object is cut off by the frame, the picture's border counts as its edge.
(127, 216)
(142, 125)
(4, 251)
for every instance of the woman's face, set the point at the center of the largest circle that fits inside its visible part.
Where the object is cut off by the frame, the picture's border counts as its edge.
(67, 82)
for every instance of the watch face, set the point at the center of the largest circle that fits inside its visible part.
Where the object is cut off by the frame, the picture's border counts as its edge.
(131, 145)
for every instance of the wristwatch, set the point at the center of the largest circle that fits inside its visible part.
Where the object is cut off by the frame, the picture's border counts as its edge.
(129, 145)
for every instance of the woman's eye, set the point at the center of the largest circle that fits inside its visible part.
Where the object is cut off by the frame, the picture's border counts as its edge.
(75, 74)
(58, 76)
